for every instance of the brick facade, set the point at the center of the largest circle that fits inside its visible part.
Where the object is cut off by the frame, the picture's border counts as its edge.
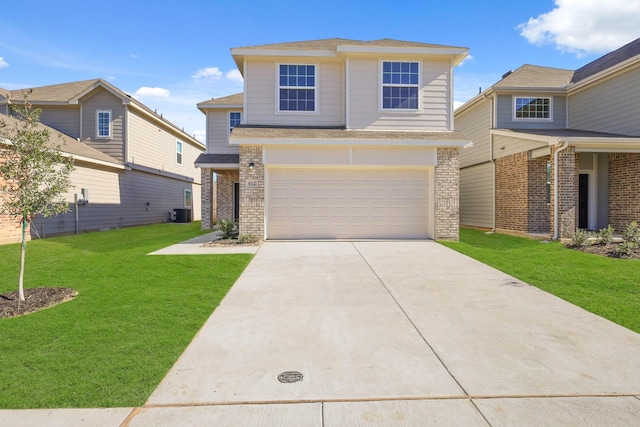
(521, 194)
(624, 189)
(208, 197)
(224, 189)
(568, 192)
(251, 197)
(447, 194)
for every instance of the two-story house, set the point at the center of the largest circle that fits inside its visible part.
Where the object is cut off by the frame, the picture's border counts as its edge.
(542, 135)
(149, 171)
(337, 139)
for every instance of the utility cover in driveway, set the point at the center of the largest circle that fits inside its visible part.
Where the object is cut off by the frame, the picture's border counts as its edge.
(347, 203)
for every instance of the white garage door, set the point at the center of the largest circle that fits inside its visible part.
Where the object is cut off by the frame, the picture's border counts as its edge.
(347, 204)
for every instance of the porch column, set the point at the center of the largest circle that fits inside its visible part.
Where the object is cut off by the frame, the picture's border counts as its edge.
(567, 192)
(206, 199)
(251, 192)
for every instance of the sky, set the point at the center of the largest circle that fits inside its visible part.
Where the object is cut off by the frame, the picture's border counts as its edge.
(171, 55)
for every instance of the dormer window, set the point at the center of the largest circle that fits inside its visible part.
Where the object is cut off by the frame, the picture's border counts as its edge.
(400, 85)
(296, 87)
(103, 124)
(530, 108)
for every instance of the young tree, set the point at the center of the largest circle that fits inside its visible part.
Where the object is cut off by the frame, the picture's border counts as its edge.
(33, 172)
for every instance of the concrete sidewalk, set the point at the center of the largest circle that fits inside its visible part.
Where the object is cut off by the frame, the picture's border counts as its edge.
(389, 333)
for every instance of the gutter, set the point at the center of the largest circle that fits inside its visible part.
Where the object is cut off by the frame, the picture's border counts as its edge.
(556, 187)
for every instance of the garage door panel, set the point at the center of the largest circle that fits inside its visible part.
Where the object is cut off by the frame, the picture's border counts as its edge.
(344, 204)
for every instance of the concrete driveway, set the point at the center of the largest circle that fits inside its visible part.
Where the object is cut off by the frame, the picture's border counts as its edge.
(396, 333)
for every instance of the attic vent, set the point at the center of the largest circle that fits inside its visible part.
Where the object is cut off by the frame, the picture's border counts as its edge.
(507, 74)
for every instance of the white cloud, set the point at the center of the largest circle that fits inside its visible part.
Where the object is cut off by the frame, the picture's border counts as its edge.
(585, 26)
(234, 75)
(211, 73)
(466, 59)
(200, 135)
(134, 56)
(152, 92)
(3, 63)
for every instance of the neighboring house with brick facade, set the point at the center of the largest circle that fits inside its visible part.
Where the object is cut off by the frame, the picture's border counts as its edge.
(337, 139)
(538, 126)
(136, 166)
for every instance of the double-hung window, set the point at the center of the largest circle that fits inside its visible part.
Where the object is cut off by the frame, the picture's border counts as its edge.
(179, 152)
(103, 124)
(296, 87)
(235, 117)
(400, 85)
(532, 108)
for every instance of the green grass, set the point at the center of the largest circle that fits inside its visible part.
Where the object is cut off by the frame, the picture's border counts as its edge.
(607, 287)
(132, 318)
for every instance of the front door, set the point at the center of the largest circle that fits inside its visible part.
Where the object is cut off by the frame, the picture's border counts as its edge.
(583, 201)
(236, 201)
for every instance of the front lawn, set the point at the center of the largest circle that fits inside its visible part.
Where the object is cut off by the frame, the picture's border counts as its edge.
(133, 316)
(605, 286)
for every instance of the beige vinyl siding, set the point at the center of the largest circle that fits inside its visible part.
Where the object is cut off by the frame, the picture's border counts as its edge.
(261, 93)
(476, 195)
(103, 100)
(505, 113)
(155, 147)
(364, 97)
(611, 106)
(64, 119)
(118, 199)
(475, 123)
(505, 146)
(218, 133)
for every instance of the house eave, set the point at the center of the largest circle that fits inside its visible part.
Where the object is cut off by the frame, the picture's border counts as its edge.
(219, 166)
(353, 142)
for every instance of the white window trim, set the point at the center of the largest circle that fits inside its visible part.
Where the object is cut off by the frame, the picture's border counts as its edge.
(315, 93)
(381, 85)
(110, 112)
(184, 199)
(229, 120)
(181, 152)
(532, 119)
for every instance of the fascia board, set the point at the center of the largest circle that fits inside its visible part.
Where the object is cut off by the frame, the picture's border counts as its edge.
(354, 142)
(402, 50)
(220, 166)
(276, 52)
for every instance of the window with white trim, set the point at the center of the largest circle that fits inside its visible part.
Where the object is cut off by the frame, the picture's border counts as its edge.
(532, 108)
(188, 199)
(235, 117)
(179, 152)
(296, 87)
(103, 123)
(400, 85)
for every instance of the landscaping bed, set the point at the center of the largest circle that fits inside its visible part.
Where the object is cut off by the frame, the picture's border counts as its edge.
(35, 300)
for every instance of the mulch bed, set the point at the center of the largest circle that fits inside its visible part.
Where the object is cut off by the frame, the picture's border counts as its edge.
(228, 242)
(36, 299)
(606, 250)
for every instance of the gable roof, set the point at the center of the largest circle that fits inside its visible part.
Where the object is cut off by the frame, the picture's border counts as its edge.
(231, 101)
(333, 43)
(534, 76)
(70, 146)
(73, 92)
(609, 60)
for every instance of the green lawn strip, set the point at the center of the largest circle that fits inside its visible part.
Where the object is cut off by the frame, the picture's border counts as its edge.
(605, 286)
(134, 315)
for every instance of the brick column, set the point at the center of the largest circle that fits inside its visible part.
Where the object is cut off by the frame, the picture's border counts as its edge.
(447, 195)
(207, 199)
(224, 193)
(567, 194)
(251, 192)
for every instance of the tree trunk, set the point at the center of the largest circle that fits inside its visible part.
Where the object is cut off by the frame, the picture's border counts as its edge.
(23, 250)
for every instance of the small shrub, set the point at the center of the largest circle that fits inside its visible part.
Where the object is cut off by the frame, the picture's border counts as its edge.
(247, 238)
(632, 233)
(580, 238)
(228, 229)
(626, 248)
(605, 236)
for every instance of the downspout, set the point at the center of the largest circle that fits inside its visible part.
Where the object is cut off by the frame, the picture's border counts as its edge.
(556, 188)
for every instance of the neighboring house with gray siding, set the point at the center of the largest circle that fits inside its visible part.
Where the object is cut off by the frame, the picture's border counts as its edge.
(538, 126)
(336, 139)
(151, 168)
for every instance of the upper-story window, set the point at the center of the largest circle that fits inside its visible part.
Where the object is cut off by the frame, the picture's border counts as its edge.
(235, 117)
(400, 85)
(532, 108)
(297, 87)
(179, 152)
(103, 124)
